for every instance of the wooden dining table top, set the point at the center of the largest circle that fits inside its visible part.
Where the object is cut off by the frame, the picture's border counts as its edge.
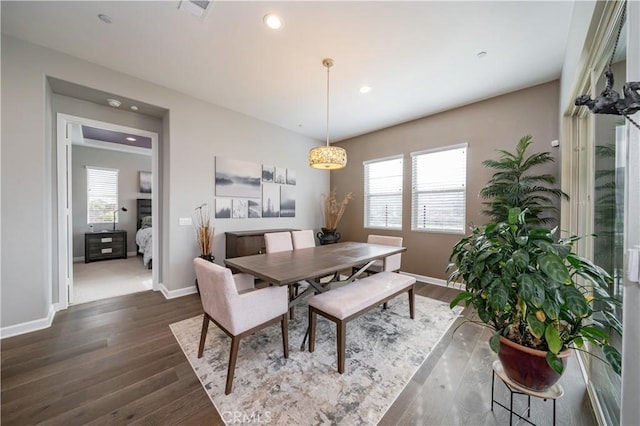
(288, 267)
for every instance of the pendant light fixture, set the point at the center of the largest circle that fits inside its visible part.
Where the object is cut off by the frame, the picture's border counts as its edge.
(327, 157)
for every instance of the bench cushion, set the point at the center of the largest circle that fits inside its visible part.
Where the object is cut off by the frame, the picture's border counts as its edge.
(345, 301)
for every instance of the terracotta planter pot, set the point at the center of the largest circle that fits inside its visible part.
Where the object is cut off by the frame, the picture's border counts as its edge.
(527, 366)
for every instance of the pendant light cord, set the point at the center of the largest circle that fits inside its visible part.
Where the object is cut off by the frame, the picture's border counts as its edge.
(328, 64)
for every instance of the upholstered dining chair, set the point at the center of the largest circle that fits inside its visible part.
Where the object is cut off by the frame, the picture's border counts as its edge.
(390, 263)
(232, 303)
(303, 239)
(275, 242)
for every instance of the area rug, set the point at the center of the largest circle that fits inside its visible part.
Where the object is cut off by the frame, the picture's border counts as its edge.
(384, 350)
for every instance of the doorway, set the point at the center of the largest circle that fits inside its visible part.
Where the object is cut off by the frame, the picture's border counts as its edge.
(99, 279)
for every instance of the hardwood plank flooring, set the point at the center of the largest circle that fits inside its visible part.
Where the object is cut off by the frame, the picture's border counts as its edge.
(115, 361)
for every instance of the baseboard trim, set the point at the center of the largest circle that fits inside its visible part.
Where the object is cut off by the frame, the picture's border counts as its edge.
(172, 294)
(29, 326)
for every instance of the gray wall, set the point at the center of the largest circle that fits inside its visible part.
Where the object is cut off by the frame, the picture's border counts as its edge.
(128, 165)
(497, 123)
(194, 132)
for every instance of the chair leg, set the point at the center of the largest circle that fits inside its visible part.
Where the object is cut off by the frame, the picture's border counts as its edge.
(233, 356)
(203, 334)
(385, 305)
(285, 335)
(341, 332)
(312, 329)
(412, 303)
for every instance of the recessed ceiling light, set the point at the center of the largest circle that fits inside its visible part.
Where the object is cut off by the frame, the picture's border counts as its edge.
(365, 89)
(105, 18)
(130, 139)
(272, 21)
(481, 54)
(134, 108)
(114, 103)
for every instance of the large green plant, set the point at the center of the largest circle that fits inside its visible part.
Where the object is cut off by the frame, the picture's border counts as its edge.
(516, 184)
(534, 290)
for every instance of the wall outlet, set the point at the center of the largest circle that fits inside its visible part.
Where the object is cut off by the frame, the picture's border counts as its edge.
(186, 221)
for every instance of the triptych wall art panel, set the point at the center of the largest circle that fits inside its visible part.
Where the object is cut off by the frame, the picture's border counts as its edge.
(248, 190)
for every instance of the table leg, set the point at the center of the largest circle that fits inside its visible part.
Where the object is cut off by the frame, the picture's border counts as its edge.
(493, 381)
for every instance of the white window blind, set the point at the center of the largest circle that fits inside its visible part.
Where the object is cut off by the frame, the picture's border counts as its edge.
(102, 194)
(383, 193)
(439, 181)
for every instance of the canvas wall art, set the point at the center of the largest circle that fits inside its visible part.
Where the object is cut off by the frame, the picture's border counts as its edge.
(145, 182)
(270, 200)
(236, 178)
(255, 210)
(287, 201)
(223, 208)
(239, 208)
(267, 173)
(291, 177)
(281, 175)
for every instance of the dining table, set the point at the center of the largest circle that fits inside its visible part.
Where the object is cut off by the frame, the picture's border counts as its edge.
(312, 264)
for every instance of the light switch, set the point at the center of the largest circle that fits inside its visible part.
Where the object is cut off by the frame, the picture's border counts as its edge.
(185, 221)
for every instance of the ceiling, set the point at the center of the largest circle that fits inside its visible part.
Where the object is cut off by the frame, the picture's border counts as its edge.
(418, 57)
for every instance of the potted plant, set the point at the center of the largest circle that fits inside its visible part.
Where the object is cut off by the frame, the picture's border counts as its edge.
(516, 184)
(538, 296)
(332, 213)
(204, 231)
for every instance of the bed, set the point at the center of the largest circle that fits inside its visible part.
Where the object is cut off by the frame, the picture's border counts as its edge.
(143, 230)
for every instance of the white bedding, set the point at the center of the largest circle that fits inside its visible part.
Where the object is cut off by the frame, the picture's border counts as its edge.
(143, 240)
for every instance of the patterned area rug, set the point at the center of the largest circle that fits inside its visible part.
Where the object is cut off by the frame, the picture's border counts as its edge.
(384, 350)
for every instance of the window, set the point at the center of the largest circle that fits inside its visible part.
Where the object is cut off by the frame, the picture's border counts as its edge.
(102, 195)
(439, 190)
(383, 193)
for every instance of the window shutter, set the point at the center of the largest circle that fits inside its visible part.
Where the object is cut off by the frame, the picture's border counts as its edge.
(383, 193)
(102, 194)
(439, 180)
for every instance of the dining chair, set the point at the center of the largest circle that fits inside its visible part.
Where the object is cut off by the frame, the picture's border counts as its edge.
(275, 242)
(237, 308)
(390, 263)
(303, 239)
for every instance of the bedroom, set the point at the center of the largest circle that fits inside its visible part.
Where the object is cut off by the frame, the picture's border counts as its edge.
(111, 210)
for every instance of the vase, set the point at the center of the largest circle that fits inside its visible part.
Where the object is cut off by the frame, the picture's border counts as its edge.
(528, 367)
(328, 236)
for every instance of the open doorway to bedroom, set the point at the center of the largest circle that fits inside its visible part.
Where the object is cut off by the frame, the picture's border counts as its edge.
(107, 176)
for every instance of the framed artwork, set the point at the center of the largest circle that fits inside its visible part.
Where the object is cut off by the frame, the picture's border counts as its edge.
(281, 175)
(235, 178)
(145, 182)
(223, 208)
(267, 173)
(291, 177)
(239, 208)
(287, 201)
(270, 200)
(255, 209)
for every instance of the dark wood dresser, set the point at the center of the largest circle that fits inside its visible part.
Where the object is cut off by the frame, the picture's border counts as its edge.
(247, 243)
(105, 245)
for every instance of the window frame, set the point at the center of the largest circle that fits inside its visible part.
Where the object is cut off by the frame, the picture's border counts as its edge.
(366, 196)
(414, 194)
(89, 197)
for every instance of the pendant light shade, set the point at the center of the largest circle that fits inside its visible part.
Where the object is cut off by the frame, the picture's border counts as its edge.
(327, 157)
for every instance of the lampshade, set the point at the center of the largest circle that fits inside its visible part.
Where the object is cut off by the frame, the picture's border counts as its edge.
(327, 157)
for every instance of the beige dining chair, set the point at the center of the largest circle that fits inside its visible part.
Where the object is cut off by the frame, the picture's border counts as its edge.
(232, 303)
(303, 239)
(390, 263)
(275, 242)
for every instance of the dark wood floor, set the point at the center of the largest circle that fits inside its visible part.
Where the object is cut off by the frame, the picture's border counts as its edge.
(115, 361)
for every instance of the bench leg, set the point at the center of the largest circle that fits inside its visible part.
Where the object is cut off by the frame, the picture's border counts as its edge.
(341, 332)
(412, 303)
(312, 329)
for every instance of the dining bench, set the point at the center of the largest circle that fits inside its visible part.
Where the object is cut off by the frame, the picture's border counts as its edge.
(343, 304)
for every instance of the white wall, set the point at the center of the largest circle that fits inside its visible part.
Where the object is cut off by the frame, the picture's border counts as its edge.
(194, 132)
